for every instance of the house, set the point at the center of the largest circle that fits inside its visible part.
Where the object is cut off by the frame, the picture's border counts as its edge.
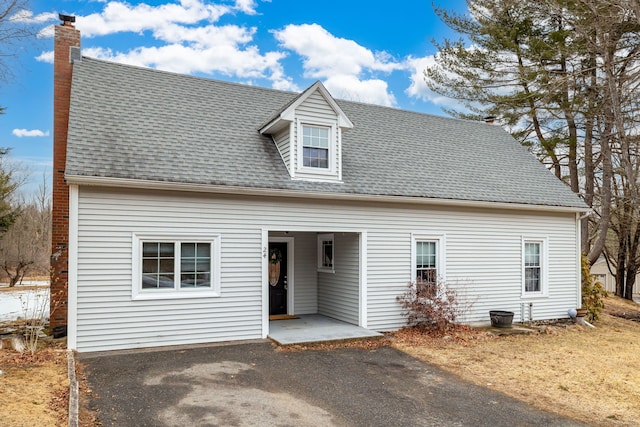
(600, 271)
(189, 210)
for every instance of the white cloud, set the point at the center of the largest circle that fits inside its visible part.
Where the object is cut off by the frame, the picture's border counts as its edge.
(209, 35)
(117, 17)
(26, 17)
(324, 54)
(246, 6)
(248, 63)
(348, 68)
(46, 32)
(419, 89)
(187, 39)
(29, 133)
(45, 57)
(372, 91)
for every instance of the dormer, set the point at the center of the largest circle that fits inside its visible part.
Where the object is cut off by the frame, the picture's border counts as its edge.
(308, 134)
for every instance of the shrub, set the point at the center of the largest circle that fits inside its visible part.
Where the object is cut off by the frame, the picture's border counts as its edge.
(433, 305)
(35, 306)
(593, 293)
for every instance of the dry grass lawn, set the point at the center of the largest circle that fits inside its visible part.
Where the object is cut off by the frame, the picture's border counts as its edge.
(592, 375)
(34, 389)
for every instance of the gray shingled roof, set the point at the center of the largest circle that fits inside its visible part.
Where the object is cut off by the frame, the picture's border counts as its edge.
(136, 123)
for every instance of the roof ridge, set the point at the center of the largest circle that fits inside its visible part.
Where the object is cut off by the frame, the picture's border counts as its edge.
(267, 89)
(186, 76)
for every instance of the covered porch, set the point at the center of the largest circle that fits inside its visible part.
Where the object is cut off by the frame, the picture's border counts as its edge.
(315, 286)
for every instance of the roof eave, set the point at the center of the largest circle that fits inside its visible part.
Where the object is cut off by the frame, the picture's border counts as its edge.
(274, 125)
(287, 115)
(253, 191)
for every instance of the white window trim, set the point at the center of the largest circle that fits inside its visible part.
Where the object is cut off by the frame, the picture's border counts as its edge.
(320, 251)
(544, 268)
(137, 293)
(441, 263)
(333, 147)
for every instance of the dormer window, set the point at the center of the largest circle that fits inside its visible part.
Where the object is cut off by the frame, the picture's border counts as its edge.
(316, 149)
(315, 146)
(308, 135)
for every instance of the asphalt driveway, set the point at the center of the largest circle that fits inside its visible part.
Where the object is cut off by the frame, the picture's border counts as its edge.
(255, 385)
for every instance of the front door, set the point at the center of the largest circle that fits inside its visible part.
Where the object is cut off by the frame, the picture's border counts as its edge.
(277, 278)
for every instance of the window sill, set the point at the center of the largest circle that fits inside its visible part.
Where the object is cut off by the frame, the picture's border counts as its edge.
(147, 295)
(534, 295)
(320, 175)
(316, 171)
(317, 178)
(326, 270)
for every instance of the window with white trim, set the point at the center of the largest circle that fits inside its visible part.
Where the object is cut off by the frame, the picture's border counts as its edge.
(428, 261)
(534, 267)
(315, 146)
(426, 257)
(317, 149)
(175, 266)
(325, 253)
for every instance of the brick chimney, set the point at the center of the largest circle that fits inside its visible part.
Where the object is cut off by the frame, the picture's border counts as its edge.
(66, 37)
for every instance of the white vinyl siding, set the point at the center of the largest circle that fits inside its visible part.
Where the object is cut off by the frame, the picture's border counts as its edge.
(483, 256)
(316, 106)
(306, 277)
(283, 142)
(338, 292)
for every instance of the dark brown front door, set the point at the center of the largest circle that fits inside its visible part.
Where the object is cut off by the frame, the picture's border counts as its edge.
(277, 278)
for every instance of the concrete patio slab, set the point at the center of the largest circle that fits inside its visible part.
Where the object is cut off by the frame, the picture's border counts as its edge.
(315, 328)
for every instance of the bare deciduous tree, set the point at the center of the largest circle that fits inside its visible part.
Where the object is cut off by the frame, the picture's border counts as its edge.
(14, 29)
(25, 247)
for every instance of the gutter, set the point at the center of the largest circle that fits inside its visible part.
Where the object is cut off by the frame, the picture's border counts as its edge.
(271, 192)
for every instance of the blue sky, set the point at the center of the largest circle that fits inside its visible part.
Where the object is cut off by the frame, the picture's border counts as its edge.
(367, 51)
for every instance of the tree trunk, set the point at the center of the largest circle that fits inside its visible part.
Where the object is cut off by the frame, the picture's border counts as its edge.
(631, 272)
(605, 202)
(621, 270)
(589, 163)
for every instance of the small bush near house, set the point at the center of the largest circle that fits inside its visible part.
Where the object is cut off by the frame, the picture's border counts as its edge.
(593, 293)
(432, 305)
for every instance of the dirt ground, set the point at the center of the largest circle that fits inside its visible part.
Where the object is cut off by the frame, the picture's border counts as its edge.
(588, 374)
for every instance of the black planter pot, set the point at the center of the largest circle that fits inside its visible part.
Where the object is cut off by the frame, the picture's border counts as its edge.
(501, 319)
